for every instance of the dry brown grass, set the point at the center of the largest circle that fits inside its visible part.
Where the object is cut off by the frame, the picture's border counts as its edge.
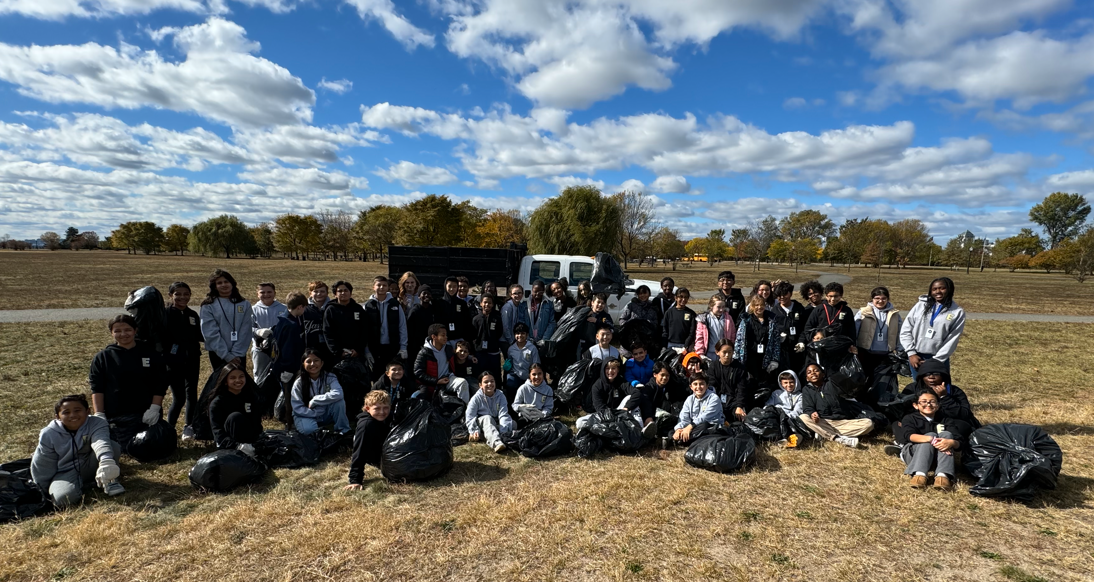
(827, 513)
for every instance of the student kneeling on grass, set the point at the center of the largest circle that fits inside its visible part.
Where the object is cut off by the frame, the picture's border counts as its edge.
(611, 392)
(394, 384)
(75, 452)
(373, 425)
(234, 413)
(827, 414)
(317, 397)
(928, 440)
(487, 415)
(702, 407)
(535, 399)
(128, 381)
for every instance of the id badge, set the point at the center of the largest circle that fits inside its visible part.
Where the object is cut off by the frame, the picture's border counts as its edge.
(235, 336)
(930, 332)
(483, 345)
(793, 331)
(759, 348)
(174, 349)
(880, 337)
(451, 327)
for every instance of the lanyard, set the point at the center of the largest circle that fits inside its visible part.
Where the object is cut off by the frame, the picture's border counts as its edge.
(937, 310)
(829, 317)
(221, 306)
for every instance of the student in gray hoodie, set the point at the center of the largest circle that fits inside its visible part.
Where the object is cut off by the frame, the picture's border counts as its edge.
(75, 452)
(487, 416)
(226, 321)
(703, 406)
(788, 399)
(535, 399)
(934, 326)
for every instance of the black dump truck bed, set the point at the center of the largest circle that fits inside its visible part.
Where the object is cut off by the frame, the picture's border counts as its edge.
(433, 264)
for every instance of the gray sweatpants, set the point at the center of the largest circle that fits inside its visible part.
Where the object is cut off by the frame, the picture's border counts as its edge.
(491, 430)
(67, 487)
(922, 457)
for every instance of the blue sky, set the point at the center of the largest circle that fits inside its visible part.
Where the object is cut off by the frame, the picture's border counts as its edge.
(962, 113)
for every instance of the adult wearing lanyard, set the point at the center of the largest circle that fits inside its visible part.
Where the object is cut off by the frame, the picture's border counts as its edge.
(541, 316)
(226, 320)
(933, 326)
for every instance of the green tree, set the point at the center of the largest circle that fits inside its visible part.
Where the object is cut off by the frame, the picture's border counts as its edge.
(635, 222)
(908, 238)
(665, 244)
(780, 251)
(376, 229)
(716, 247)
(1023, 243)
(296, 235)
(147, 237)
(225, 233)
(262, 234)
(806, 224)
(435, 221)
(579, 221)
(1061, 215)
(71, 234)
(696, 247)
(337, 232)
(176, 239)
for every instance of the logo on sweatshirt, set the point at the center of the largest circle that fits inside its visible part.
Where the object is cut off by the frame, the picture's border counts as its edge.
(459, 309)
(797, 316)
(687, 317)
(841, 314)
(949, 317)
(239, 308)
(356, 316)
(193, 320)
(247, 407)
(146, 362)
(492, 325)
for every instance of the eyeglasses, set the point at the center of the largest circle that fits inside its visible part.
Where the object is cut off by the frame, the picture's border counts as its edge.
(928, 403)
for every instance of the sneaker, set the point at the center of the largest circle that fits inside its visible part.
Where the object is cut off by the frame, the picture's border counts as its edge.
(783, 443)
(943, 482)
(650, 430)
(892, 450)
(666, 443)
(846, 441)
(499, 448)
(918, 481)
(187, 433)
(113, 488)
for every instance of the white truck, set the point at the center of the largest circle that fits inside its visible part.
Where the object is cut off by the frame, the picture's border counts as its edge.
(576, 269)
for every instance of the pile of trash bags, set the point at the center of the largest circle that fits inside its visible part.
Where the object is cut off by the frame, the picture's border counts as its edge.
(844, 370)
(559, 350)
(1012, 460)
(640, 331)
(154, 443)
(147, 307)
(722, 450)
(419, 446)
(617, 430)
(20, 497)
(608, 277)
(576, 382)
(545, 437)
(224, 470)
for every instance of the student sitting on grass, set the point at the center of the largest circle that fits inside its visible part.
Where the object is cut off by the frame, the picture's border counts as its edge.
(935, 376)
(603, 350)
(679, 323)
(535, 399)
(827, 414)
(373, 425)
(394, 385)
(317, 397)
(74, 453)
(788, 400)
(234, 414)
(611, 392)
(522, 354)
(639, 367)
(928, 440)
(702, 407)
(729, 380)
(433, 366)
(128, 381)
(487, 416)
(465, 370)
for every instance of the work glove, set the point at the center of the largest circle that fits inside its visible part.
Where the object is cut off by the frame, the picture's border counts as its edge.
(370, 360)
(101, 415)
(286, 377)
(799, 348)
(108, 471)
(402, 354)
(247, 449)
(772, 367)
(152, 415)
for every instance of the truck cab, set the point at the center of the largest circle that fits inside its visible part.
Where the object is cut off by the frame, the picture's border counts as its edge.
(576, 269)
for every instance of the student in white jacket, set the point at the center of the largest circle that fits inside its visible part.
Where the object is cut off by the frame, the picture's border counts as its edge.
(933, 326)
(226, 320)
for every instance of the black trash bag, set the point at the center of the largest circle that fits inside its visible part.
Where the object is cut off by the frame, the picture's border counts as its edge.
(154, 443)
(286, 449)
(570, 324)
(618, 430)
(1012, 460)
(20, 498)
(353, 375)
(765, 422)
(641, 331)
(608, 277)
(224, 470)
(666, 424)
(544, 438)
(282, 409)
(268, 393)
(331, 441)
(450, 407)
(587, 444)
(147, 307)
(576, 381)
(843, 368)
(419, 446)
(460, 435)
(721, 453)
(895, 410)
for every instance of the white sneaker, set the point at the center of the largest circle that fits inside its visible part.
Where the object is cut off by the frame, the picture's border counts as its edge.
(847, 441)
(499, 448)
(650, 430)
(187, 433)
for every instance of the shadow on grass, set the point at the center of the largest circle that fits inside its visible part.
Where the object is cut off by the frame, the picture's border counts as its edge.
(1072, 492)
(1067, 428)
(468, 472)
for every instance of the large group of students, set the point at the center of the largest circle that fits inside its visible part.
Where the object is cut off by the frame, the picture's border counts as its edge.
(739, 354)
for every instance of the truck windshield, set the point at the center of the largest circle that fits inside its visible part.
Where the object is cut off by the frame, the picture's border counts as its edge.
(580, 272)
(546, 270)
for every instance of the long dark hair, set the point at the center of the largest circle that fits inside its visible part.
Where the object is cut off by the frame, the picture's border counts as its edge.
(222, 378)
(305, 378)
(947, 299)
(235, 297)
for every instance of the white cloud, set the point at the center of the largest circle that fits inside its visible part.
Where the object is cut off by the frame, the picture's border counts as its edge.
(341, 86)
(671, 185)
(305, 178)
(384, 10)
(220, 78)
(564, 182)
(411, 174)
(58, 9)
(1081, 181)
(794, 103)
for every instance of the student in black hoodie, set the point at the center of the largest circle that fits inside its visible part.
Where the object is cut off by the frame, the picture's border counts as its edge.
(813, 294)
(833, 315)
(611, 392)
(128, 382)
(790, 320)
(729, 380)
(488, 336)
(928, 439)
(678, 325)
(312, 322)
(345, 324)
(394, 384)
(457, 314)
(373, 426)
(234, 414)
(422, 315)
(184, 357)
(951, 400)
(734, 298)
(828, 415)
(665, 300)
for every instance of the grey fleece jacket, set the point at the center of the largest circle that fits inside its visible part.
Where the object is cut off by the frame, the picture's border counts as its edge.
(916, 333)
(59, 450)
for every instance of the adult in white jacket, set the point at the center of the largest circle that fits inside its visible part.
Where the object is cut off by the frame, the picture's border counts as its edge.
(933, 326)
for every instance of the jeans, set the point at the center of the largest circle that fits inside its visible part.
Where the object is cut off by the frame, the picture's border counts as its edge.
(328, 413)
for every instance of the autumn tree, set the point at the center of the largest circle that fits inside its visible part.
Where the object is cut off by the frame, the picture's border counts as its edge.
(635, 222)
(665, 243)
(337, 234)
(499, 229)
(176, 239)
(297, 235)
(908, 237)
(51, 239)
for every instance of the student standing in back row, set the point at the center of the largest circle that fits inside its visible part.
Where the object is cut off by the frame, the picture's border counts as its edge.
(387, 332)
(539, 314)
(933, 327)
(226, 320)
(345, 325)
(735, 300)
(184, 361)
(833, 315)
(679, 323)
(267, 310)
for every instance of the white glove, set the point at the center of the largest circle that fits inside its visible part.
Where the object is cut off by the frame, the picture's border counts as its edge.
(370, 360)
(286, 377)
(101, 415)
(799, 348)
(108, 471)
(152, 415)
(247, 449)
(402, 354)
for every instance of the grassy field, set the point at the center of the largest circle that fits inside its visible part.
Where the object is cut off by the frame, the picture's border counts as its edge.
(826, 513)
(37, 280)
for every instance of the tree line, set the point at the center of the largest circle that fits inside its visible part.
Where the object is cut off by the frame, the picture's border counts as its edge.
(583, 221)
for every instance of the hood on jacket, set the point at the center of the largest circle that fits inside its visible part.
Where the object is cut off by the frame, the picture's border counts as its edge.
(931, 366)
(868, 309)
(797, 383)
(387, 298)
